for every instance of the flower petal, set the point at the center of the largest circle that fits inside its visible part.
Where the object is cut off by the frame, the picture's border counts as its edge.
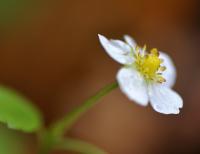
(130, 41)
(117, 49)
(164, 99)
(121, 45)
(133, 85)
(170, 73)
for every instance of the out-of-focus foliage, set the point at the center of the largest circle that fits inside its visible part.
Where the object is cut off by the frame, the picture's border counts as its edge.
(10, 10)
(18, 112)
(10, 142)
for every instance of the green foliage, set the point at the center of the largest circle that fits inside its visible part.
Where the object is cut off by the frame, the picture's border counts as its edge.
(11, 142)
(9, 10)
(18, 112)
(14, 12)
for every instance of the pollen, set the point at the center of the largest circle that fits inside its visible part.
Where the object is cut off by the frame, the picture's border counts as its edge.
(149, 64)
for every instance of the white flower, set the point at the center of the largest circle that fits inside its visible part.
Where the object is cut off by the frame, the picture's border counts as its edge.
(146, 76)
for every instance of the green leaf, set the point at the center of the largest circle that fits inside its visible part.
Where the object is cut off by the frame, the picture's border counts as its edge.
(10, 138)
(18, 112)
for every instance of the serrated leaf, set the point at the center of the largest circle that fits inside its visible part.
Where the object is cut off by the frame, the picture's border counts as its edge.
(18, 112)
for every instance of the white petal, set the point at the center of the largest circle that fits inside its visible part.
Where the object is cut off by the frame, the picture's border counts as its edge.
(117, 49)
(133, 85)
(170, 73)
(164, 99)
(130, 41)
(121, 45)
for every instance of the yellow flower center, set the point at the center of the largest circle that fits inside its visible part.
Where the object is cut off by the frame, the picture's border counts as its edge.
(149, 64)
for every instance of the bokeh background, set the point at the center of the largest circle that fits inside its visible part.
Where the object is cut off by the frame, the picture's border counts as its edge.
(49, 51)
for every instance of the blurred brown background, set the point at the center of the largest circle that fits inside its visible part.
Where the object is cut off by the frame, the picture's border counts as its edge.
(50, 52)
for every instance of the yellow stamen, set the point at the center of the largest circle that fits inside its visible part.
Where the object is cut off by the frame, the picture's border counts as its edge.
(149, 65)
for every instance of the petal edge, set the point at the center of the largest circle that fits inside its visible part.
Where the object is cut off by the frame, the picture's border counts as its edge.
(165, 100)
(116, 49)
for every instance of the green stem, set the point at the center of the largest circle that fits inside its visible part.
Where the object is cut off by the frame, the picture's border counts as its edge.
(59, 128)
(78, 146)
(46, 141)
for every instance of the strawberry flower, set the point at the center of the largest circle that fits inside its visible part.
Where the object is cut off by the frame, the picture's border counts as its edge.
(145, 76)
